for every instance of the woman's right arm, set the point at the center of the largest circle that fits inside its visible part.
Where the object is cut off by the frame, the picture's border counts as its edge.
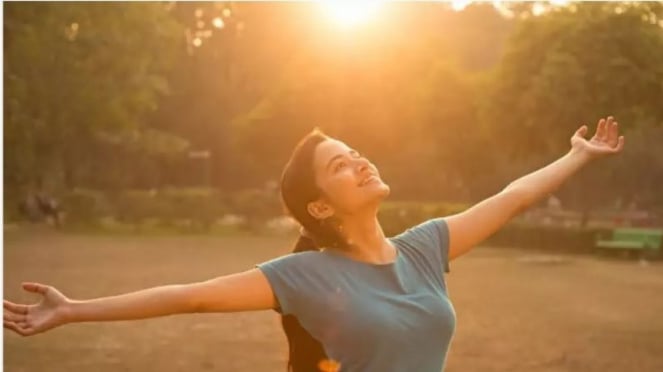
(244, 291)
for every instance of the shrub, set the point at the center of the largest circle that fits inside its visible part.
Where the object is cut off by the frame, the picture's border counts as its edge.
(201, 206)
(396, 217)
(554, 238)
(84, 206)
(134, 206)
(257, 205)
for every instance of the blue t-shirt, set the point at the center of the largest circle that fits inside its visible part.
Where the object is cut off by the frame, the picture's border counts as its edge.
(373, 317)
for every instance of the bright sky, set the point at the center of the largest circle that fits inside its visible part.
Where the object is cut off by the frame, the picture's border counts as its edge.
(350, 13)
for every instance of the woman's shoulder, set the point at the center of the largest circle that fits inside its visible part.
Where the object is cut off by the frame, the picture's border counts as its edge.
(429, 239)
(430, 230)
(298, 261)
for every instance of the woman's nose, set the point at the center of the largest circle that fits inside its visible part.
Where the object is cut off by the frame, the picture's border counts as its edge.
(362, 164)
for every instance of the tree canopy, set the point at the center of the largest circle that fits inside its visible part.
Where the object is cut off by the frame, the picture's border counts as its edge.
(451, 105)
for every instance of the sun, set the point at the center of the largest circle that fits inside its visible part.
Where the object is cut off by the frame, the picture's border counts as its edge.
(348, 13)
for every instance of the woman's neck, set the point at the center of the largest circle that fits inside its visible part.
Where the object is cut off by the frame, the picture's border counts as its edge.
(366, 240)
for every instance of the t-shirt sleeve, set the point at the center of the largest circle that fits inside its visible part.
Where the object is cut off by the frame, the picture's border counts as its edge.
(283, 275)
(432, 234)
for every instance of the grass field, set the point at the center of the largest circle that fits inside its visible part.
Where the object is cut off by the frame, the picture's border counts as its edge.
(517, 310)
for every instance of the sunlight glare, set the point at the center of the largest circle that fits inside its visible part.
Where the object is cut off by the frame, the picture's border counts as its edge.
(559, 2)
(459, 5)
(218, 22)
(349, 13)
(538, 9)
(503, 10)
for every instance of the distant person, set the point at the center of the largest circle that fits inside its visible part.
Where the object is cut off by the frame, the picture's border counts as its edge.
(39, 206)
(50, 207)
(351, 298)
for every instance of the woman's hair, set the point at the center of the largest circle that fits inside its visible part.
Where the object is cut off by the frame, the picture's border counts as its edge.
(298, 188)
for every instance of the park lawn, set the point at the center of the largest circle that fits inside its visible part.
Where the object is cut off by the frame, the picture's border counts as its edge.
(516, 310)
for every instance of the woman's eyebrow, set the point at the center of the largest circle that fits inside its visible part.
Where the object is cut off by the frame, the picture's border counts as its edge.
(329, 163)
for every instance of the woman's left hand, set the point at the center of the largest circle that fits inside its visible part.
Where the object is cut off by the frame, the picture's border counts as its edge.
(606, 140)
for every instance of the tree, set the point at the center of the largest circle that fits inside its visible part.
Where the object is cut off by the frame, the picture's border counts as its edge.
(74, 71)
(569, 67)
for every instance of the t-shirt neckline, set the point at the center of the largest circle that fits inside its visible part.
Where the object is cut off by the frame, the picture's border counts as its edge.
(399, 254)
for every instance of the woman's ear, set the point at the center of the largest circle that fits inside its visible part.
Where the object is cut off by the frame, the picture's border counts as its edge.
(319, 209)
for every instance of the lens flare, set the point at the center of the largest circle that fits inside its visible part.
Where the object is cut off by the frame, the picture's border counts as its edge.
(350, 13)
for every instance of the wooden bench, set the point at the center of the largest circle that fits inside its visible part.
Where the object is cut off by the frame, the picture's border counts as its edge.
(646, 242)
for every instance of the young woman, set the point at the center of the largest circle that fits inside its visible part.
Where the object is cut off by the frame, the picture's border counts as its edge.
(351, 298)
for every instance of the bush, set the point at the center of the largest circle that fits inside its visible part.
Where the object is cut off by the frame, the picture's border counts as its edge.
(396, 217)
(257, 205)
(554, 238)
(135, 206)
(201, 206)
(84, 206)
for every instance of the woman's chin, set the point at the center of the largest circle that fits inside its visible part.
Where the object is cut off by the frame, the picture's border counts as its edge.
(386, 190)
(381, 190)
(375, 193)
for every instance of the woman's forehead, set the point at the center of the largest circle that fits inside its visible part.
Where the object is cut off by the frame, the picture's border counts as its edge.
(327, 150)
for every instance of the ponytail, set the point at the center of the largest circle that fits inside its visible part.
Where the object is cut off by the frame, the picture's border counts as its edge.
(298, 189)
(305, 352)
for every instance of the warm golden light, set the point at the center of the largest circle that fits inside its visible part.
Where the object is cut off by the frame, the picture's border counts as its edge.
(350, 13)
(559, 2)
(538, 9)
(218, 22)
(459, 5)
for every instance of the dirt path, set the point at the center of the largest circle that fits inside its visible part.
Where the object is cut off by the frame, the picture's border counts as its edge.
(517, 311)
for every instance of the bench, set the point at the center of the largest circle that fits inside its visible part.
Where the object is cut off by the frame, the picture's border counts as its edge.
(647, 242)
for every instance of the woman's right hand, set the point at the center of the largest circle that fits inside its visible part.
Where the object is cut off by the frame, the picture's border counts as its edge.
(27, 320)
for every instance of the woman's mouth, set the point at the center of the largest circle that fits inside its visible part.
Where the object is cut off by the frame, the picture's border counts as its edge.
(368, 180)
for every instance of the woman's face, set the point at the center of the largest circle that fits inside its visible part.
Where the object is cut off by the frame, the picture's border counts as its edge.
(350, 183)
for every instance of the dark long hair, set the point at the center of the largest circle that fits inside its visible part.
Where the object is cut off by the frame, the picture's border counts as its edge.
(298, 188)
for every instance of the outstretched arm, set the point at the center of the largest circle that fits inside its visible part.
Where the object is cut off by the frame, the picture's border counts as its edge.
(245, 291)
(470, 227)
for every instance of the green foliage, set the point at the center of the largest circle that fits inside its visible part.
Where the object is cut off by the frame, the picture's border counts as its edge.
(562, 69)
(196, 208)
(199, 205)
(76, 69)
(449, 105)
(550, 238)
(567, 68)
(135, 206)
(257, 205)
(190, 209)
(396, 217)
(85, 207)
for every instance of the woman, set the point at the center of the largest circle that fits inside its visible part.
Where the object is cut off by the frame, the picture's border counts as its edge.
(362, 302)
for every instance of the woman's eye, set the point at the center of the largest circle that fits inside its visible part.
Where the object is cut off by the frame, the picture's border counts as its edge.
(340, 165)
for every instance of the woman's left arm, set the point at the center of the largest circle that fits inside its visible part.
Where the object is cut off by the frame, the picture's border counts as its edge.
(470, 227)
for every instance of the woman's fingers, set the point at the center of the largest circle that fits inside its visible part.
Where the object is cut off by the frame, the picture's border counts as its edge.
(620, 145)
(15, 308)
(582, 131)
(608, 127)
(21, 329)
(600, 129)
(13, 317)
(613, 133)
(35, 288)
